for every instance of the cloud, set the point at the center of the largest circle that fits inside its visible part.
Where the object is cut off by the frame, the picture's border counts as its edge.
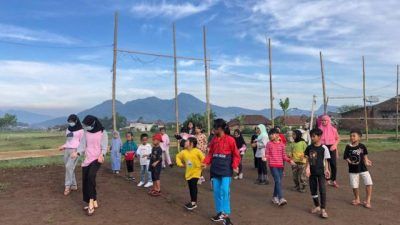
(11, 32)
(170, 10)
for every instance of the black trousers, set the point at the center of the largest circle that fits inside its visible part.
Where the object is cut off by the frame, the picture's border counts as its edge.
(261, 167)
(255, 159)
(317, 182)
(241, 164)
(192, 183)
(332, 163)
(89, 181)
(129, 165)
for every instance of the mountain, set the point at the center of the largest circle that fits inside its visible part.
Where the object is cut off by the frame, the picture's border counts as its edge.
(27, 117)
(153, 108)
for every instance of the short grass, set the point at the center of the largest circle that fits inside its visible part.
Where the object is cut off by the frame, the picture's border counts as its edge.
(32, 140)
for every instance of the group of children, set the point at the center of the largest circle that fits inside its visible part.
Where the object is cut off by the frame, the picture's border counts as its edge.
(308, 162)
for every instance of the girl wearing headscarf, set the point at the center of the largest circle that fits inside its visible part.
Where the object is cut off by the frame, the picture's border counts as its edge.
(74, 135)
(330, 138)
(94, 146)
(261, 143)
(241, 145)
(116, 145)
(297, 149)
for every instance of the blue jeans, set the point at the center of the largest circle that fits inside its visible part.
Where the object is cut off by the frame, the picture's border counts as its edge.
(277, 174)
(221, 189)
(144, 169)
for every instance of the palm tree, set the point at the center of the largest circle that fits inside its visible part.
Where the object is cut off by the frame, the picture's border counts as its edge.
(284, 104)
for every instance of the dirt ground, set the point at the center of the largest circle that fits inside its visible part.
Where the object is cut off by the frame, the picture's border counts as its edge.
(34, 196)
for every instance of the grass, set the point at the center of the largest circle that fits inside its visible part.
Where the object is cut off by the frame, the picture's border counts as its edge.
(32, 140)
(31, 162)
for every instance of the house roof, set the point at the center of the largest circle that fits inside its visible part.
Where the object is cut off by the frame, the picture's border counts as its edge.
(386, 106)
(250, 120)
(294, 120)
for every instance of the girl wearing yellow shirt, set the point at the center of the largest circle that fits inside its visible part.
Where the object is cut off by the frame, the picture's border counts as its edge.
(191, 159)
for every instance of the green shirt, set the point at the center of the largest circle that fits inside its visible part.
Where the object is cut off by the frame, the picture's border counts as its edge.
(297, 151)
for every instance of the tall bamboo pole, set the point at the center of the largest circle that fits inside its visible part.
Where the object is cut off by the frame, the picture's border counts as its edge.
(271, 97)
(114, 78)
(397, 105)
(365, 100)
(208, 108)
(323, 83)
(175, 82)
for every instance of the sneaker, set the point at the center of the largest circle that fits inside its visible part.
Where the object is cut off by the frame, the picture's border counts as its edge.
(315, 210)
(240, 176)
(218, 217)
(227, 221)
(282, 202)
(324, 214)
(117, 172)
(148, 184)
(190, 206)
(236, 177)
(275, 200)
(141, 183)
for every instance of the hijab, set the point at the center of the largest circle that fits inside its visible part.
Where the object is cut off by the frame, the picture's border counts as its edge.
(239, 140)
(263, 133)
(74, 118)
(329, 132)
(94, 122)
(116, 141)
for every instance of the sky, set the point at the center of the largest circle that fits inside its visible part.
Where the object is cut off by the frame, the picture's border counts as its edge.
(56, 56)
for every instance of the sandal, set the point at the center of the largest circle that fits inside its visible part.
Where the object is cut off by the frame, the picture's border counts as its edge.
(67, 191)
(74, 188)
(90, 211)
(355, 202)
(367, 205)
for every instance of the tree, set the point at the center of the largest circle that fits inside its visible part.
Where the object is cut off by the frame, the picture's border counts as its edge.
(347, 108)
(8, 120)
(240, 119)
(107, 122)
(198, 118)
(284, 104)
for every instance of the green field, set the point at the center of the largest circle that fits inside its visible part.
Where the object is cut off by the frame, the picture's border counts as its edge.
(32, 140)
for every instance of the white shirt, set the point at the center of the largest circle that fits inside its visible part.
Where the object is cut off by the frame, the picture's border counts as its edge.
(144, 150)
(260, 153)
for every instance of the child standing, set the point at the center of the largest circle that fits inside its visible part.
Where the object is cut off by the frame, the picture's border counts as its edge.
(201, 144)
(356, 155)
(143, 152)
(260, 143)
(276, 155)
(317, 170)
(116, 145)
(166, 158)
(129, 150)
(156, 165)
(297, 149)
(191, 158)
(241, 145)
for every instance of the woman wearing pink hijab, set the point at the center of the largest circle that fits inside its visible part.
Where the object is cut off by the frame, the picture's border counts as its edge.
(330, 138)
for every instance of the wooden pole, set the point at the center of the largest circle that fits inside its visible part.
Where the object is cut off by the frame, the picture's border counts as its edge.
(314, 102)
(208, 108)
(397, 105)
(271, 97)
(176, 82)
(365, 100)
(114, 112)
(323, 83)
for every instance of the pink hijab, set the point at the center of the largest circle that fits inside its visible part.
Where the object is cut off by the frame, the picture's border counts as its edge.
(330, 135)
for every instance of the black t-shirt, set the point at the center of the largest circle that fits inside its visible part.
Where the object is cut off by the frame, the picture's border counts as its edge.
(253, 138)
(356, 155)
(316, 158)
(156, 155)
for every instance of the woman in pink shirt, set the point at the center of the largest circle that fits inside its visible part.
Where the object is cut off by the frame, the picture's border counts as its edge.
(74, 134)
(94, 146)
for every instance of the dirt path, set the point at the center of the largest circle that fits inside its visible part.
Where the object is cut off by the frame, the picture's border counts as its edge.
(8, 155)
(34, 196)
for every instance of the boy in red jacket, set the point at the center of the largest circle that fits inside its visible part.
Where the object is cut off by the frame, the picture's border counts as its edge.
(275, 154)
(224, 159)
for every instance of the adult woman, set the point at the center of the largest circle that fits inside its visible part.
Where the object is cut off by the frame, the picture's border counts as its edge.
(241, 145)
(330, 138)
(74, 135)
(94, 146)
(261, 143)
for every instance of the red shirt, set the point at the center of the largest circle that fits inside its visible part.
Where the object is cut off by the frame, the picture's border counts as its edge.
(275, 153)
(224, 145)
(283, 139)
